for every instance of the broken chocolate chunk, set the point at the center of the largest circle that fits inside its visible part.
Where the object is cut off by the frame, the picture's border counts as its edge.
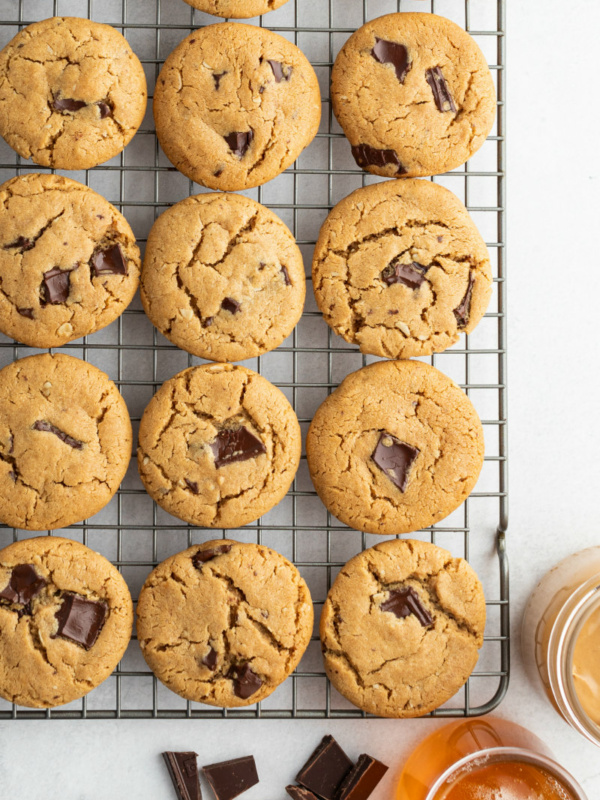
(411, 275)
(26, 312)
(326, 769)
(228, 779)
(217, 78)
(239, 142)
(105, 109)
(363, 778)
(206, 323)
(279, 72)
(463, 309)
(367, 156)
(300, 793)
(235, 444)
(109, 261)
(286, 276)
(192, 486)
(229, 304)
(441, 92)
(394, 458)
(183, 769)
(202, 556)
(55, 286)
(245, 681)
(66, 104)
(210, 659)
(22, 244)
(392, 53)
(23, 586)
(47, 427)
(80, 620)
(404, 602)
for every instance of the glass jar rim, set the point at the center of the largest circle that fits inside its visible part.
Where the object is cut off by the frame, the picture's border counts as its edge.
(494, 754)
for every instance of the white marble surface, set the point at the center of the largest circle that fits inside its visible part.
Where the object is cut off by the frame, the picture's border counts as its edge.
(554, 283)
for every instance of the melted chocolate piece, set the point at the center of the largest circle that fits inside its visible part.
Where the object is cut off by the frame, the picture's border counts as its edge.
(239, 142)
(411, 275)
(183, 769)
(55, 286)
(217, 78)
(300, 793)
(66, 104)
(26, 312)
(47, 427)
(206, 323)
(463, 309)
(404, 602)
(22, 244)
(367, 156)
(202, 556)
(441, 93)
(235, 444)
(392, 53)
(394, 458)
(286, 276)
(210, 659)
(326, 769)
(80, 620)
(192, 486)
(229, 304)
(105, 109)
(109, 261)
(278, 72)
(363, 778)
(228, 779)
(245, 681)
(23, 586)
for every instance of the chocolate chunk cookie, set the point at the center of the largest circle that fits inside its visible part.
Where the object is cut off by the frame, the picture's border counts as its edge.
(224, 623)
(219, 446)
(69, 264)
(65, 621)
(396, 447)
(414, 95)
(223, 277)
(235, 105)
(402, 627)
(237, 9)
(65, 441)
(72, 93)
(401, 270)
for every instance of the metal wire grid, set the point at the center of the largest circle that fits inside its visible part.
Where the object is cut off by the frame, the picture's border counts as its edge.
(132, 531)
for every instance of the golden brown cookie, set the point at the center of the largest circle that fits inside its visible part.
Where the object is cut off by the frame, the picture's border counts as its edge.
(65, 621)
(65, 441)
(236, 9)
(219, 446)
(69, 263)
(401, 270)
(414, 95)
(72, 93)
(402, 627)
(223, 277)
(235, 105)
(224, 623)
(396, 447)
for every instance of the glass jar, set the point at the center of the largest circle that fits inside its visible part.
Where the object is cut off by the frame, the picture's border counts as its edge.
(560, 634)
(462, 751)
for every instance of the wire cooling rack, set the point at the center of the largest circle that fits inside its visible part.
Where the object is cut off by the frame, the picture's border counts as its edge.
(132, 531)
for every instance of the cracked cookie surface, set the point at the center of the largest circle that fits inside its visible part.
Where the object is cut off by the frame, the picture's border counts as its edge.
(398, 658)
(236, 9)
(223, 277)
(65, 441)
(413, 94)
(397, 447)
(401, 270)
(47, 659)
(235, 105)
(72, 93)
(218, 446)
(69, 263)
(224, 622)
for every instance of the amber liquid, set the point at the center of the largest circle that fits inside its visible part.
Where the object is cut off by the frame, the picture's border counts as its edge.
(494, 781)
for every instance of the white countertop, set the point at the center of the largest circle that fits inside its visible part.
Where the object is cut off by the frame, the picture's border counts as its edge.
(554, 379)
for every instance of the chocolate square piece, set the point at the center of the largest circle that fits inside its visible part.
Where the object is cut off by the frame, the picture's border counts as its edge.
(362, 780)
(392, 53)
(228, 779)
(440, 90)
(109, 261)
(411, 275)
(395, 458)
(300, 793)
(367, 156)
(326, 769)
(66, 104)
(239, 141)
(183, 770)
(463, 309)
(245, 681)
(56, 284)
(236, 444)
(80, 620)
(231, 305)
(23, 585)
(202, 556)
(403, 602)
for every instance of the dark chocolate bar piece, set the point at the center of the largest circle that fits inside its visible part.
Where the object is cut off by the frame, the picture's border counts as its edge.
(80, 620)
(362, 780)
(228, 779)
(395, 459)
(236, 444)
(23, 585)
(403, 602)
(202, 556)
(325, 770)
(183, 770)
(300, 793)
